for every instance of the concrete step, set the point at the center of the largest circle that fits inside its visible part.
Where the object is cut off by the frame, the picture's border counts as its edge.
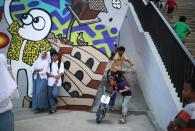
(179, 9)
(190, 39)
(192, 51)
(192, 33)
(175, 14)
(190, 45)
(185, 8)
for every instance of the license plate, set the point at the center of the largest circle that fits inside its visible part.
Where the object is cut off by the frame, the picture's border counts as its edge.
(105, 99)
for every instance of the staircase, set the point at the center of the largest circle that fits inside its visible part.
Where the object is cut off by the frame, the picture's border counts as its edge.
(185, 8)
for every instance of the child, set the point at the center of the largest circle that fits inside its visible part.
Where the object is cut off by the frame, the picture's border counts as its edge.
(185, 119)
(182, 29)
(125, 92)
(171, 6)
(55, 72)
(118, 60)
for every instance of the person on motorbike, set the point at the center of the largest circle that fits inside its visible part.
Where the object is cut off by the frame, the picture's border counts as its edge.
(116, 69)
(125, 92)
(118, 61)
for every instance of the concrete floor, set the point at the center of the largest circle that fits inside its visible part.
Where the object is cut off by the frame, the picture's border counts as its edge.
(139, 118)
(25, 120)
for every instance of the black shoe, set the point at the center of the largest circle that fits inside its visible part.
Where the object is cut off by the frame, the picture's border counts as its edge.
(52, 111)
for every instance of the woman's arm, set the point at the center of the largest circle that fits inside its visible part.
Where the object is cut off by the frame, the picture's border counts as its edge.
(125, 90)
(44, 70)
(35, 71)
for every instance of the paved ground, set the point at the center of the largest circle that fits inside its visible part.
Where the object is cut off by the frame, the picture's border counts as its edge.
(139, 118)
(25, 120)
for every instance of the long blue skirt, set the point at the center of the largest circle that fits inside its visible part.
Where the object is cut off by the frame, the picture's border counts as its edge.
(39, 95)
(7, 121)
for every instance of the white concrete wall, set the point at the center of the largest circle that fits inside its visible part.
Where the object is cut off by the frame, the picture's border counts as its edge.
(154, 80)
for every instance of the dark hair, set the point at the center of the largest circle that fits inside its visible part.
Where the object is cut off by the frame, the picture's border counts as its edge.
(182, 18)
(121, 48)
(191, 82)
(53, 52)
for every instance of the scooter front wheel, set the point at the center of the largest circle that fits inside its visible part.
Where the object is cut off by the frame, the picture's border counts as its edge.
(98, 119)
(100, 115)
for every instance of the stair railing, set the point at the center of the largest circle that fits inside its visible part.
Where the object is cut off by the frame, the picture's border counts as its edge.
(177, 59)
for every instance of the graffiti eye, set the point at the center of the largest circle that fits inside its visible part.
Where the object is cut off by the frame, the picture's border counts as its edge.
(36, 20)
(27, 19)
(39, 23)
(25, 16)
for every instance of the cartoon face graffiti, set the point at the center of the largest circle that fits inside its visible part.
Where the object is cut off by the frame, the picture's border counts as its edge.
(28, 40)
(36, 25)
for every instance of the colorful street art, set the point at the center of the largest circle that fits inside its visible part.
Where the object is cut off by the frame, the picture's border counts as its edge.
(116, 4)
(84, 67)
(99, 35)
(4, 40)
(78, 29)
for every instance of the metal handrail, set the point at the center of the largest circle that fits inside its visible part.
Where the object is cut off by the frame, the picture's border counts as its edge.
(178, 61)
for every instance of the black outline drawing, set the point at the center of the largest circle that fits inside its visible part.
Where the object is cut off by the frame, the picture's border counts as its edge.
(116, 4)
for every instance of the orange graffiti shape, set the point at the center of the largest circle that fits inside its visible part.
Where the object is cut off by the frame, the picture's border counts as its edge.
(4, 40)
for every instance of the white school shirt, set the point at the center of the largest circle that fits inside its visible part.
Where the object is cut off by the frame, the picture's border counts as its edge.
(5, 105)
(190, 109)
(42, 74)
(55, 71)
(44, 65)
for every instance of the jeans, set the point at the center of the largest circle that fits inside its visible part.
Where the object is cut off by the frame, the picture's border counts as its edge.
(7, 121)
(123, 103)
(53, 94)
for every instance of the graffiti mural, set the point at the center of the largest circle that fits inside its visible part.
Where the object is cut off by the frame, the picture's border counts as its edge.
(25, 47)
(84, 67)
(82, 31)
(116, 4)
(61, 15)
(4, 40)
